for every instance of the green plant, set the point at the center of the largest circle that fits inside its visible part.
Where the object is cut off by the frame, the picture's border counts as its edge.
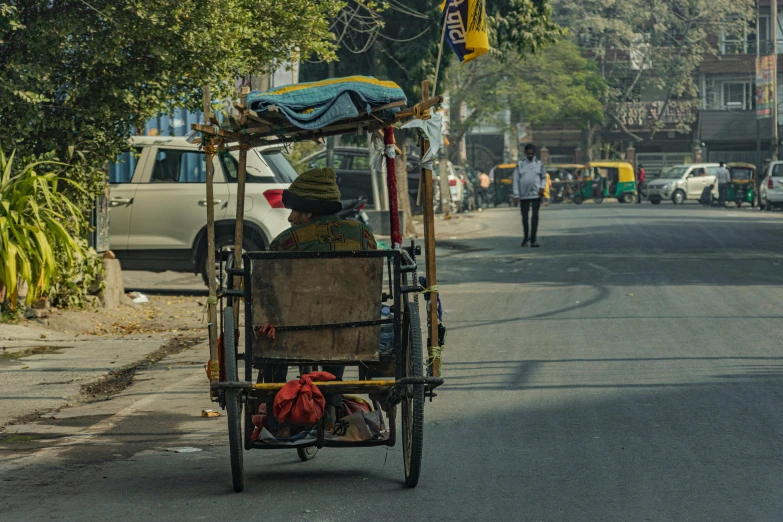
(84, 276)
(33, 219)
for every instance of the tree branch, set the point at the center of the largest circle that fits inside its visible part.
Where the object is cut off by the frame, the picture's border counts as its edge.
(625, 129)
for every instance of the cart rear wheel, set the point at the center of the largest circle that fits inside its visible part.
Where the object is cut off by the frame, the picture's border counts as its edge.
(413, 403)
(233, 404)
(307, 453)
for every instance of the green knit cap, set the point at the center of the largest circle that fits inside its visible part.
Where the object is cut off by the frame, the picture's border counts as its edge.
(316, 184)
(315, 191)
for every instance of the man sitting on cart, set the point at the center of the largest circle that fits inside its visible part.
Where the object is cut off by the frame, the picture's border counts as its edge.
(314, 199)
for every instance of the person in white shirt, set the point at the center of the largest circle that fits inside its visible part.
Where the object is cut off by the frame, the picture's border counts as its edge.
(723, 177)
(528, 186)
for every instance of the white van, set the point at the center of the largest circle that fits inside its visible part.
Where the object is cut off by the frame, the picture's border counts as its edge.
(158, 203)
(683, 182)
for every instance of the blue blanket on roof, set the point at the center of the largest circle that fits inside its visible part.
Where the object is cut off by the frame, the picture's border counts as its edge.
(319, 104)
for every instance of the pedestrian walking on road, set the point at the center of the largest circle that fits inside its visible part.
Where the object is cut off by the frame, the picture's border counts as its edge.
(641, 176)
(723, 177)
(528, 188)
(484, 184)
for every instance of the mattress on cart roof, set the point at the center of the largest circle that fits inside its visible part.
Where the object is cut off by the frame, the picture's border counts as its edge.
(315, 105)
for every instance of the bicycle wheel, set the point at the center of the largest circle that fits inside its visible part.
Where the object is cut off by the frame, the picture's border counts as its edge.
(413, 403)
(307, 453)
(233, 404)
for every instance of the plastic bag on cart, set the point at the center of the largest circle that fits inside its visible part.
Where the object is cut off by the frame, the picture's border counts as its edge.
(358, 422)
(300, 402)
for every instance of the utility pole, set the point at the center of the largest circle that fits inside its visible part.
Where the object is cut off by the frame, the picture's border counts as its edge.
(759, 162)
(330, 141)
(775, 138)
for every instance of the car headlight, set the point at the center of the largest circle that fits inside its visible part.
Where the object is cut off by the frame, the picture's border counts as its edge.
(667, 186)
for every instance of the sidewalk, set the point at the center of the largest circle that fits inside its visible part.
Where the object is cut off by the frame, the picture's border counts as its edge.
(43, 371)
(458, 226)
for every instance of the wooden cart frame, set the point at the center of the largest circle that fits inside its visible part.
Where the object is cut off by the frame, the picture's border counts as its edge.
(390, 380)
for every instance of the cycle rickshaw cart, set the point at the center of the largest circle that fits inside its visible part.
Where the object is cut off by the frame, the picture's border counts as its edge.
(323, 307)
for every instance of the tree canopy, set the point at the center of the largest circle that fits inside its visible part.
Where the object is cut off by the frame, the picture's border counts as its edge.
(85, 73)
(655, 45)
(556, 84)
(405, 48)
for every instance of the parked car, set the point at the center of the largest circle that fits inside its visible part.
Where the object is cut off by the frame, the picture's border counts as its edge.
(682, 183)
(352, 166)
(158, 203)
(771, 187)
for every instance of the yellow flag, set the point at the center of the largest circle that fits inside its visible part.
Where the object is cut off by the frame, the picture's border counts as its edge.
(465, 23)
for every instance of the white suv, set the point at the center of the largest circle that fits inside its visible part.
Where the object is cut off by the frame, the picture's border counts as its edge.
(158, 203)
(771, 187)
(683, 182)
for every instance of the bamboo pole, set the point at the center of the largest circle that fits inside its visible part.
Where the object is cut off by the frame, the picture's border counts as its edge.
(212, 301)
(429, 251)
(239, 229)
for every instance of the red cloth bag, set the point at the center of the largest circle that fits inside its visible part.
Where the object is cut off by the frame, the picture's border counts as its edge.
(299, 402)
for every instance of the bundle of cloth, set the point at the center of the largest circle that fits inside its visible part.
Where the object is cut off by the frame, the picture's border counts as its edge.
(357, 422)
(315, 105)
(299, 405)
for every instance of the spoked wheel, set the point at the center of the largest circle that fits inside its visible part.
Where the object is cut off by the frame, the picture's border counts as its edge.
(413, 402)
(307, 453)
(233, 404)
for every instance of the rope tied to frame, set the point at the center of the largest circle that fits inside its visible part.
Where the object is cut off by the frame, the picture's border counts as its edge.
(420, 114)
(211, 300)
(267, 329)
(435, 353)
(213, 370)
(209, 147)
(431, 290)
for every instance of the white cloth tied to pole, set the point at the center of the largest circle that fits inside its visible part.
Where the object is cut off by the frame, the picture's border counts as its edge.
(432, 129)
(379, 153)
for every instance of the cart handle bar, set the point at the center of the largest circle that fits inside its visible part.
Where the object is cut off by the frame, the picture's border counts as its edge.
(430, 382)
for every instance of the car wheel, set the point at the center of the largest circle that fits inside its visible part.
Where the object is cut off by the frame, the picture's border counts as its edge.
(655, 201)
(678, 198)
(225, 244)
(767, 206)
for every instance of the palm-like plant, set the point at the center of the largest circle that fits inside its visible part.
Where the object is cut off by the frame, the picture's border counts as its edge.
(32, 217)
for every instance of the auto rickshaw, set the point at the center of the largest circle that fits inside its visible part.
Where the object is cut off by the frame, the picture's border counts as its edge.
(742, 188)
(504, 177)
(564, 180)
(617, 180)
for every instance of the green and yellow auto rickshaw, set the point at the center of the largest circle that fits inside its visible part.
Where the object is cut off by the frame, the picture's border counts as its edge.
(607, 179)
(742, 188)
(503, 178)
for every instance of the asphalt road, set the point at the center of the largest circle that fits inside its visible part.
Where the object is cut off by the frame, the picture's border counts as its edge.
(630, 369)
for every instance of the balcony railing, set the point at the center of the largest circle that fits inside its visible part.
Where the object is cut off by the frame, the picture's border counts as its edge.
(644, 114)
(728, 47)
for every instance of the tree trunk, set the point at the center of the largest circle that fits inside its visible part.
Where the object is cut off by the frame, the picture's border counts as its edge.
(588, 137)
(403, 198)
